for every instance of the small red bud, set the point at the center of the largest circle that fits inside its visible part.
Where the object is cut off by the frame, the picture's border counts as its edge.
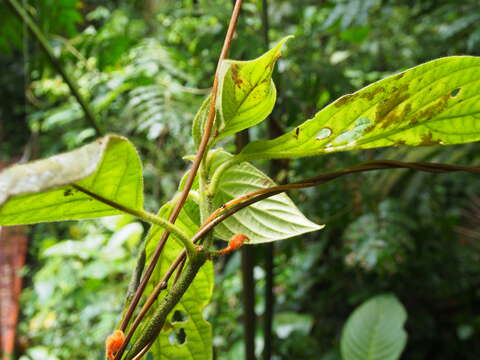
(113, 343)
(235, 242)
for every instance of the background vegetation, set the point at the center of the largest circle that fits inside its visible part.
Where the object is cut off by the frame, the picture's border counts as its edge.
(145, 66)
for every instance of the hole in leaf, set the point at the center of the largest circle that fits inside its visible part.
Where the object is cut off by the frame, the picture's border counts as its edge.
(177, 338)
(455, 92)
(181, 336)
(179, 316)
(324, 133)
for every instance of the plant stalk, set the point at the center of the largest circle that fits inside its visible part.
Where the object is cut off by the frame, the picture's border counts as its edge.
(242, 202)
(152, 329)
(188, 185)
(146, 216)
(20, 12)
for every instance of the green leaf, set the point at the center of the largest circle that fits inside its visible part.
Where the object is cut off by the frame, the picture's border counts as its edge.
(197, 343)
(433, 103)
(199, 121)
(375, 331)
(42, 191)
(268, 220)
(246, 92)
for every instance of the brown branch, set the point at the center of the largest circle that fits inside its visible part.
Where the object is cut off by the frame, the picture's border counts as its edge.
(238, 204)
(324, 178)
(243, 201)
(196, 164)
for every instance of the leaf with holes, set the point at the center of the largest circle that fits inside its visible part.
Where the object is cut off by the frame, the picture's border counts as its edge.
(375, 331)
(188, 335)
(433, 103)
(268, 220)
(48, 190)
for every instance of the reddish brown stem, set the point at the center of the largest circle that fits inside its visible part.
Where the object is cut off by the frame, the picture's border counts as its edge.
(188, 185)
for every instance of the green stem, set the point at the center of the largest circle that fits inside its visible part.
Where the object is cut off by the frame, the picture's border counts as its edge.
(170, 227)
(217, 175)
(150, 332)
(146, 216)
(42, 40)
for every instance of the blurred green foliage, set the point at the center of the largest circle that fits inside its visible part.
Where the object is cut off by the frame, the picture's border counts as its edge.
(145, 66)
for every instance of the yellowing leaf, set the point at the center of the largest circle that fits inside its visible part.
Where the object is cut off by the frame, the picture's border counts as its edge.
(433, 103)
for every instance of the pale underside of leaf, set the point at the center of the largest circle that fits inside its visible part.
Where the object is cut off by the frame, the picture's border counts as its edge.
(375, 331)
(268, 220)
(42, 191)
(433, 103)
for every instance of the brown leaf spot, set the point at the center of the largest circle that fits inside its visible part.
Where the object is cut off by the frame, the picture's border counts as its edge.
(344, 100)
(432, 110)
(369, 95)
(385, 114)
(271, 64)
(68, 192)
(235, 76)
(427, 140)
(399, 76)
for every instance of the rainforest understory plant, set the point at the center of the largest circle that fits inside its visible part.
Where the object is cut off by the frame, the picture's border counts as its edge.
(223, 196)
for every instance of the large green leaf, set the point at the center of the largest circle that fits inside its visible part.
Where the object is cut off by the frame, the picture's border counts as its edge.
(268, 220)
(375, 331)
(433, 103)
(246, 95)
(196, 330)
(42, 190)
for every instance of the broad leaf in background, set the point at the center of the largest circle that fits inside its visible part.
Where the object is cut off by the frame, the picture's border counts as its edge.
(268, 220)
(188, 335)
(41, 191)
(375, 331)
(433, 103)
(246, 93)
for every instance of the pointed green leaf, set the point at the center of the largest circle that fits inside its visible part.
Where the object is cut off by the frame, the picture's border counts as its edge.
(41, 191)
(197, 331)
(433, 103)
(246, 92)
(268, 220)
(375, 331)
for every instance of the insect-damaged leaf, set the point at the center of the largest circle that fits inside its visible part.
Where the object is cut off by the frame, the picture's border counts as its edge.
(245, 97)
(433, 103)
(43, 190)
(186, 335)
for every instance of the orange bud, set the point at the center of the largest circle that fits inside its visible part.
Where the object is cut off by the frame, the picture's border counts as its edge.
(235, 242)
(113, 343)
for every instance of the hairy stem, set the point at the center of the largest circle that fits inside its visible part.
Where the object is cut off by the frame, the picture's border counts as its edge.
(188, 185)
(153, 328)
(20, 12)
(249, 199)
